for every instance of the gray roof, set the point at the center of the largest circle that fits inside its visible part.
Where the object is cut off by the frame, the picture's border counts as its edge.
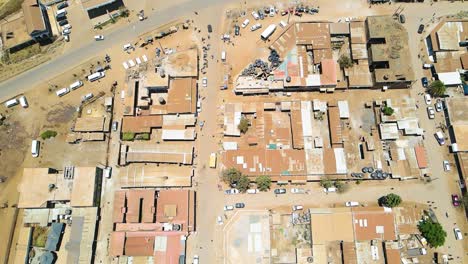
(53, 238)
(73, 245)
(47, 257)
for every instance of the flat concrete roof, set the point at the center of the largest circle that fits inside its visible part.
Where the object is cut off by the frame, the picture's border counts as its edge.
(84, 184)
(138, 175)
(331, 224)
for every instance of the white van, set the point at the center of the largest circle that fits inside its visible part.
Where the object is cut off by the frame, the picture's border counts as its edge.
(11, 102)
(440, 137)
(427, 65)
(87, 97)
(96, 76)
(282, 24)
(62, 92)
(351, 204)
(198, 106)
(23, 102)
(245, 23)
(76, 85)
(223, 55)
(35, 148)
(127, 46)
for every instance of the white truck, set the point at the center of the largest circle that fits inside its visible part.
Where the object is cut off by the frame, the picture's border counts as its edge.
(268, 31)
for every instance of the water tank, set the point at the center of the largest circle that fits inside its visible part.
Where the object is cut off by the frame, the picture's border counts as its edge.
(161, 100)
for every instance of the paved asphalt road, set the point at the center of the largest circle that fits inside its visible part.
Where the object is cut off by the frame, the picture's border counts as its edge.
(29, 79)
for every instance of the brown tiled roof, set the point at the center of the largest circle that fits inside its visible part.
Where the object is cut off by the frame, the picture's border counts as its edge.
(181, 98)
(33, 16)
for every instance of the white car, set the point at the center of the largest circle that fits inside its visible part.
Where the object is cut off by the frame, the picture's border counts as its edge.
(272, 11)
(255, 15)
(99, 37)
(430, 112)
(427, 99)
(219, 220)
(438, 106)
(252, 191)
(458, 233)
(205, 81)
(228, 208)
(446, 165)
(66, 31)
(351, 204)
(67, 26)
(231, 191)
(245, 23)
(297, 190)
(297, 207)
(255, 27)
(195, 259)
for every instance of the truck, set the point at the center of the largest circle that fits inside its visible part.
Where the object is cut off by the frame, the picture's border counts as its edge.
(35, 148)
(223, 55)
(213, 160)
(268, 31)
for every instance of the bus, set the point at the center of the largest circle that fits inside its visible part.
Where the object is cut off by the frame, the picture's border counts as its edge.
(268, 31)
(213, 160)
(35, 148)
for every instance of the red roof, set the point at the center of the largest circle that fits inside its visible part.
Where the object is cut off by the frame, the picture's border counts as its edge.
(421, 157)
(328, 76)
(117, 242)
(147, 200)
(139, 245)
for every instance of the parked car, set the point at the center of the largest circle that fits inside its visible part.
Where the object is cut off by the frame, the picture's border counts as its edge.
(420, 28)
(455, 200)
(430, 112)
(115, 125)
(255, 15)
(446, 165)
(297, 207)
(210, 28)
(99, 37)
(297, 190)
(236, 30)
(424, 82)
(255, 27)
(205, 81)
(284, 12)
(245, 23)
(252, 191)
(440, 137)
(279, 191)
(195, 259)
(228, 208)
(66, 38)
(427, 99)
(351, 204)
(219, 220)
(272, 11)
(231, 191)
(63, 22)
(438, 106)
(240, 205)
(67, 26)
(402, 18)
(66, 31)
(62, 5)
(261, 14)
(458, 233)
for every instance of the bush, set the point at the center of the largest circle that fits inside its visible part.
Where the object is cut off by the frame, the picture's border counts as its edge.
(326, 183)
(128, 136)
(341, 187)
(388, 111)
(48, 134)
(433, 232)
(243, 125)
(390, 200)
(263, 183)
(437, 88)
(231, 176)
(144, 136)
(345, 62)
(243, 184)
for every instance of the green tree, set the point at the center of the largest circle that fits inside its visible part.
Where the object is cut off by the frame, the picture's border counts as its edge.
(231, 176)
(48, 134)
(263, 183)
(128, 136)
(433, 232)
(326, 183)
(345, 62)
(243, 125)
(388, 111)
(390, 200)
(437, 88)
(243, 184)
(341, 187)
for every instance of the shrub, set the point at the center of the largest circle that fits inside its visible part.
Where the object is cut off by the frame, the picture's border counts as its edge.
(433, 232)
(263, 183)
(128, 136)
(231, 176)
(143, 136)
(390, 200)
(341, 187)
(345, 62)
(388, 111)
(243, 125)
(326, 183)
(437, 88)
(48, 134)
(243, 184)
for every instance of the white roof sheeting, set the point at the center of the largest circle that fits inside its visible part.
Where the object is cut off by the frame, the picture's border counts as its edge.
(178, 134)
(230, 145)
(343, 107)
(340, 159)
(450, 78)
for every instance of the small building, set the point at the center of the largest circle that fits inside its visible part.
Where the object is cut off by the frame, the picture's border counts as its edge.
(96, 8)
(450, 78)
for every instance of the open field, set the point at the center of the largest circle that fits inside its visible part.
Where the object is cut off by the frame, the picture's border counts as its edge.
(8, 7)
